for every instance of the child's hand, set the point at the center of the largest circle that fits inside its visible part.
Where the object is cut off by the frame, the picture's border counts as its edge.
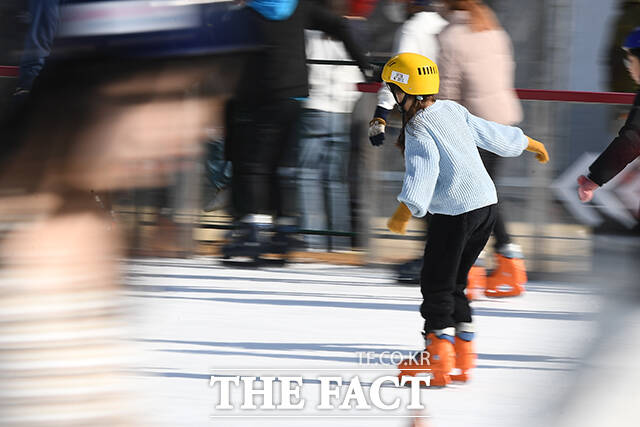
(586, 187)
(538, 148)
(398, 222)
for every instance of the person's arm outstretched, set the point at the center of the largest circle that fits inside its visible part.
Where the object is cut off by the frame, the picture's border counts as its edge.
(624, 149)
(505, 141)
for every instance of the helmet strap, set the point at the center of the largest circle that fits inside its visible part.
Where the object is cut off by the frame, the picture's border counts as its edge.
(404, 100)
(393, 92)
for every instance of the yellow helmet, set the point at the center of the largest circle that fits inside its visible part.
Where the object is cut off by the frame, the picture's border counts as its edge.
(414, 74)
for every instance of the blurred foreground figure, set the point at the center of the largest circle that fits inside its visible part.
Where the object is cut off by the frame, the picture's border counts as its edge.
(124, 100)
(264, 123)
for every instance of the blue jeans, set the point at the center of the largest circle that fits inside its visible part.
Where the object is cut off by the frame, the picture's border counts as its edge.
(45, 15)
(219, 170)
(323, 177)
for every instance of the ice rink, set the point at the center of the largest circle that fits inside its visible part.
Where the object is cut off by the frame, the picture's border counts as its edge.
(198, 318)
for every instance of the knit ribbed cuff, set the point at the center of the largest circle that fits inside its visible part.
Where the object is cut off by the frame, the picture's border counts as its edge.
(596, 179)
(381, 112)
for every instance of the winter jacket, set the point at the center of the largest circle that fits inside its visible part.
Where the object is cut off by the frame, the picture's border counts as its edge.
(274, 10)
(417, 35)
(443, 170)
(624, 149)
(279, 70)
(477, 70)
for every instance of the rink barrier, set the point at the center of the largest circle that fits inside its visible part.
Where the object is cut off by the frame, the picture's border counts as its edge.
(378, 233)
(8, 71)
(549, 95)
(589, 97)
(523, 94)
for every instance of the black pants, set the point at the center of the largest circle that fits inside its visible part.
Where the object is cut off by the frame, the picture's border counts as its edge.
(500, 233)
(453, 245)
(260, 140)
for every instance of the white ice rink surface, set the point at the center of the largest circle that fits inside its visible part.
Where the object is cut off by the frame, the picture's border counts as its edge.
(198, 318)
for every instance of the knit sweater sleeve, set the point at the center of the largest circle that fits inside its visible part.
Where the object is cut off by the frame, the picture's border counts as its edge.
(505, 141)
(422, 168)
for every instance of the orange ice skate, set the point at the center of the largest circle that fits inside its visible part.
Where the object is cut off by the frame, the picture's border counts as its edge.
(476, 282)
(437, 359)
(465, 355)
(509, 277)
(476, 279)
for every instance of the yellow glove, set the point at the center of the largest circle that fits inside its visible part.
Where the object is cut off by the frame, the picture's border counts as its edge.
(538, 148)
(398, 222)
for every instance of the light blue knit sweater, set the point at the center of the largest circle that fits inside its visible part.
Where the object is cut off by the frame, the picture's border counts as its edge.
(443, 170)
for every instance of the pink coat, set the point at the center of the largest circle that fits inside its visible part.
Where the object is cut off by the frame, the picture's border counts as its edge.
(477, 70)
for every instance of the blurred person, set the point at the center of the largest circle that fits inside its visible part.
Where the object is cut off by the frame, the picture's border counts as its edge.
(325, 143)
(625, 148)
(219, 173)
(444, 176)
(381, 25)
(627, 19)
(117, 108)
(478, 72)
(44, 16)
(163, 239)
(362, 8)
(265, 115)
(218, 168)
(417, 35)
(377, 34)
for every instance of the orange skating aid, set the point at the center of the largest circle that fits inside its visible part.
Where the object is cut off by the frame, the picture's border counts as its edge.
(508, 279)
(476, 282)
(465, 359)
(437, 359)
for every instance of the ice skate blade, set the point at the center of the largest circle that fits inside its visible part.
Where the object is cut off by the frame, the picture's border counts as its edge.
(460, 378)
(237, 262)
(493, 293)
(405, 281)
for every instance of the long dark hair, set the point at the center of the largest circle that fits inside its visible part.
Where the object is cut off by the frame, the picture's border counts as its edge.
(408, 115)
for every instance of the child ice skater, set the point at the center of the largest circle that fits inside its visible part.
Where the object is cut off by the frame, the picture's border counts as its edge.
(444, 176)
(626, 147)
